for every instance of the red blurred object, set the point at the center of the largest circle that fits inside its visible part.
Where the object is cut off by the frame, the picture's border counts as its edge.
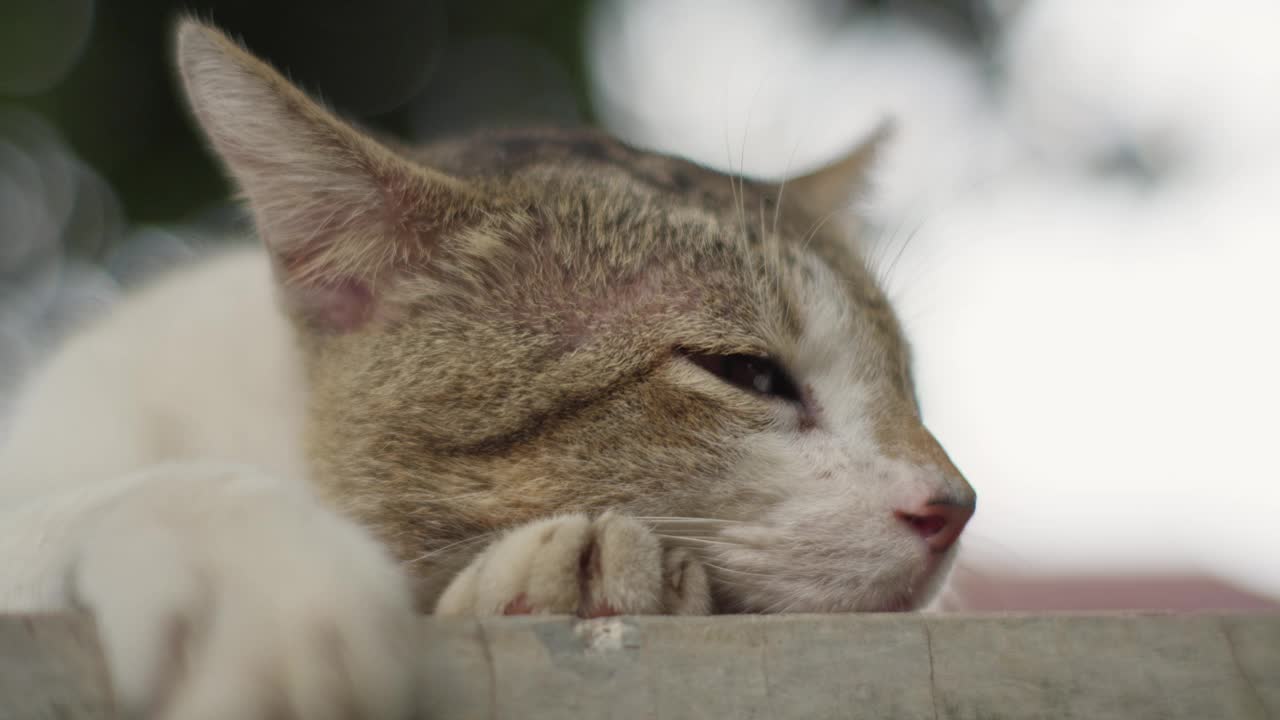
(984, 590)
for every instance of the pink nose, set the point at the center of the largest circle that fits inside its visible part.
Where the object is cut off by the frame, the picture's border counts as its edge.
(938, 522)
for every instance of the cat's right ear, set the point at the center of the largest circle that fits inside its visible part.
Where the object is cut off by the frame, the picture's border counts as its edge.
(339, 212)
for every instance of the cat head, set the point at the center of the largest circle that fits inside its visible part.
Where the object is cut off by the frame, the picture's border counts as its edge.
(515, 324)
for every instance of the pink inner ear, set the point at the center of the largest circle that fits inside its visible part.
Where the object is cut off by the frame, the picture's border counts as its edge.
(337, 306)
(335, 303)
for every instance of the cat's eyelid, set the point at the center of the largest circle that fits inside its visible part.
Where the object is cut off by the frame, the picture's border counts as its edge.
(726, 350)
(772, 381)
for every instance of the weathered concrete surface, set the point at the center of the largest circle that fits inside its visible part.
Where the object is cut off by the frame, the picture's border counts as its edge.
(886, 666)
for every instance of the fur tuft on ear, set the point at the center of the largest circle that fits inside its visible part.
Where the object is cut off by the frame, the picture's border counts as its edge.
(336, 209)
(832, 187)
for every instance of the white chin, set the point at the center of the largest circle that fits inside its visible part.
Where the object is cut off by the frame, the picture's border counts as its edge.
(910, 590)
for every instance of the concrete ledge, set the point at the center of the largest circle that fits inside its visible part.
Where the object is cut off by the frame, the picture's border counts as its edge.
(881, 666)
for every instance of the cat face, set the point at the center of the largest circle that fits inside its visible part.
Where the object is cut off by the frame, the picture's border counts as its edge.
(513, 325)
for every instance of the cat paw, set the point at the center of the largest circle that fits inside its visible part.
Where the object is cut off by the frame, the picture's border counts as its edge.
(223, 593)
(577, 565)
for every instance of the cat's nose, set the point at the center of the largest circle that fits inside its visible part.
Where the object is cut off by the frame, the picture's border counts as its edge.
(939, 521)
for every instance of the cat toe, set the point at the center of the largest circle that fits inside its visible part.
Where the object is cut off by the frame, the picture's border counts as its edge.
(576, 565)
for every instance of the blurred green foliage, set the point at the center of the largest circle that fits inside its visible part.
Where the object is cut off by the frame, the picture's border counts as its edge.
(100, 72)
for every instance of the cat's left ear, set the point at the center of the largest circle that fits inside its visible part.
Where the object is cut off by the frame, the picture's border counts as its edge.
(339, 212)
(834, 186)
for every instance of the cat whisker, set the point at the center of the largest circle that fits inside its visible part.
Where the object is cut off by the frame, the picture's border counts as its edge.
(705, 541)
(883, 243)
(791, 604)
(739, 579)
(724, 583)
(742, 156)
(772, 608)
(764, 229)
(893, 265)
(788, 602)
(817, 227)
(712, 567)
(465, 542)
(686, 531)
(678, 519)
(782, 188)
(733, 186)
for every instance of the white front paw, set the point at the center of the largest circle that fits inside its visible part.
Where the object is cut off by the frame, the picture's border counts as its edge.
(224, 593)
(573, 564)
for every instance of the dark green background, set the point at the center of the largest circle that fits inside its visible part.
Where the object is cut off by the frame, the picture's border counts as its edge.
(117, 107)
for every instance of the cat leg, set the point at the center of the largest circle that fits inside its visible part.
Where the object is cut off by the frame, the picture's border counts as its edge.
(222, 592)
(574, 564)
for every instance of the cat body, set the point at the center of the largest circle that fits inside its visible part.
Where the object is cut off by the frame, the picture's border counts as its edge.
(530, 371)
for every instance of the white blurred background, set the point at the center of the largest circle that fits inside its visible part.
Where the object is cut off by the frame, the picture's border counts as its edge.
(1080, 208)
(1083, 217)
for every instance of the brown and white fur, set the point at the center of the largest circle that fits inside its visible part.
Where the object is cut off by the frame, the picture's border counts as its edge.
(497, 385)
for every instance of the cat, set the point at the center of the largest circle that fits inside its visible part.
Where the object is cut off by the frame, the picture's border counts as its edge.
(533, 371)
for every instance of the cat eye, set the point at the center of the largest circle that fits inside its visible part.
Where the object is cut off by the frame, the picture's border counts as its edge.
(755, 374)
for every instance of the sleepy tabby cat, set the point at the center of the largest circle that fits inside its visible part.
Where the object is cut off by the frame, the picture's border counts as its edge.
(517, 372)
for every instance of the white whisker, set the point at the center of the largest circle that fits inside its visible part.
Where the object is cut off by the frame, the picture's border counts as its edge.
(705, 541)
(709, 521)
(746, 573)
(463, 542)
